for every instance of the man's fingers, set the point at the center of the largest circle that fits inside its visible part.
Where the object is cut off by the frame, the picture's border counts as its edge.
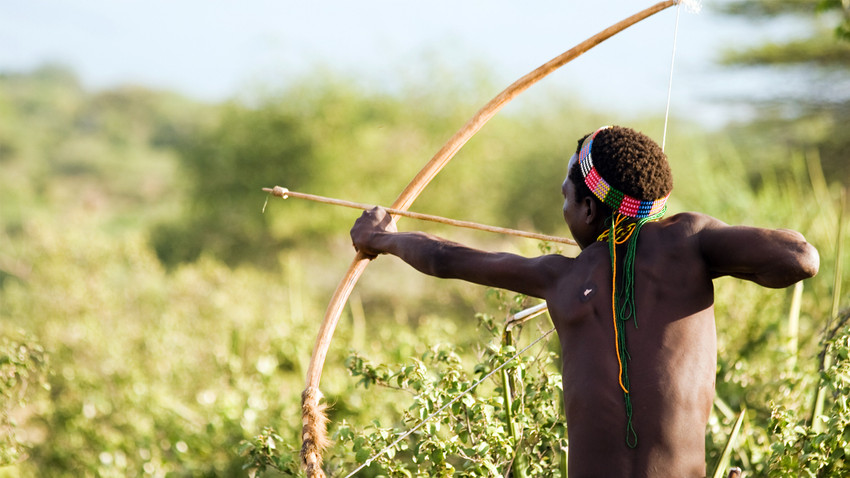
(372, 221)
(365, 254)
(381, 218)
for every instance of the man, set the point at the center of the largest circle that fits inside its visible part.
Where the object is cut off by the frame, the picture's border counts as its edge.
(634, 310)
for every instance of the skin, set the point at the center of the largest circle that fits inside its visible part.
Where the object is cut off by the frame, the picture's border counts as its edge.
(673, 350)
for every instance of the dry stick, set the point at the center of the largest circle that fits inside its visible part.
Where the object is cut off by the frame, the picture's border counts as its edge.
(825, 355)
(286, 193)
(524, 316)
(311, 454)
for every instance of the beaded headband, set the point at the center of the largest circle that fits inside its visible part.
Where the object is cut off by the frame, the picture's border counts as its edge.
(618, 201)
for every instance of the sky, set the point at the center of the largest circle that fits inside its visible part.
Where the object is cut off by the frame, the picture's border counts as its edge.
(216, 49)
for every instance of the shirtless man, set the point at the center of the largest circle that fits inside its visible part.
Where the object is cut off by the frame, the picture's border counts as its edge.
(668, 355)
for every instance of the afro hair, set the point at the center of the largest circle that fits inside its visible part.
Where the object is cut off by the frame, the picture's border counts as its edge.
(629, 161)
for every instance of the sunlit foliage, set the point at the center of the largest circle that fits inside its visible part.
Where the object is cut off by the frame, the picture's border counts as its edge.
(154, 321)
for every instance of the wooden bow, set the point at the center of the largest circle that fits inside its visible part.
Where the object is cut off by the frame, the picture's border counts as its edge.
(314, 434)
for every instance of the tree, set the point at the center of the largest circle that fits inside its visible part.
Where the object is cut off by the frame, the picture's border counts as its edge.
(224, 166)
(814, 116)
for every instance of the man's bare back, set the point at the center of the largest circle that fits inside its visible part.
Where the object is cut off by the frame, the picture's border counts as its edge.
(672, 347)
(672, 366)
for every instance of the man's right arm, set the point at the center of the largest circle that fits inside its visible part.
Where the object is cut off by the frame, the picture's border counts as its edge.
(774, 258)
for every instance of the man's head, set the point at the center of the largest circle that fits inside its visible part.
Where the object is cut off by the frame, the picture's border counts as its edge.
(628, 161)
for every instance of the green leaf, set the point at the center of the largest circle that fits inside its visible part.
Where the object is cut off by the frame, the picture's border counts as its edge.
(362, 454)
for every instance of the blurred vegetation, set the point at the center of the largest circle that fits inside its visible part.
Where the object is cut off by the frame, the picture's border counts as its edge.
(154, 321)
(812, 116)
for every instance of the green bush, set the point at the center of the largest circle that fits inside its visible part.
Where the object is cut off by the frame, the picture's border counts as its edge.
(23, 370)
(153, 372)
(801, 447)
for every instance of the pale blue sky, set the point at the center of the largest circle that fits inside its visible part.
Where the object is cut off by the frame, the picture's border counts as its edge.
(215, 49)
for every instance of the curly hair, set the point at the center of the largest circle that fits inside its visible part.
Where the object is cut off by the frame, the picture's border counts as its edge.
(629, 161)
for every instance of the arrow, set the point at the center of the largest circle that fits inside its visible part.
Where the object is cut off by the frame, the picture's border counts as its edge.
(286, 193)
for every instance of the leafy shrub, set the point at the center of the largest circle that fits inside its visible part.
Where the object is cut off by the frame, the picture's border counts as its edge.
(153, 372)
(817, 446)
(23, 370)
(510, 420)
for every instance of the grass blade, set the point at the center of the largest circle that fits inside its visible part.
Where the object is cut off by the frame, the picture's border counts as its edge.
(723, 462)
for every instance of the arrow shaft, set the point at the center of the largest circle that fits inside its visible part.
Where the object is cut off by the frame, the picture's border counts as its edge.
(285, 193)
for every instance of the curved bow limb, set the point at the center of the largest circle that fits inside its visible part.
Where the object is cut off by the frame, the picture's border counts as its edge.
(314, 435)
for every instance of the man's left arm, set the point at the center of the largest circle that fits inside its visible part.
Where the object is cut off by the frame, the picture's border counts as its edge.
(374, 234)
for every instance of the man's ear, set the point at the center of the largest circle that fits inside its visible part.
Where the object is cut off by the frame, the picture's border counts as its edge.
(590, 209)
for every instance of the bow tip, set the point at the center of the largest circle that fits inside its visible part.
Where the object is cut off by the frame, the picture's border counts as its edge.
(693, 6)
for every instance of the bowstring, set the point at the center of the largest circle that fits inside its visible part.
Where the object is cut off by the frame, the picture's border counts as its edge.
(670, 81)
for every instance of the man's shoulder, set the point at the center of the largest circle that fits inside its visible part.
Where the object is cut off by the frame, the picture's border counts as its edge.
(683, 232)
(689, 223)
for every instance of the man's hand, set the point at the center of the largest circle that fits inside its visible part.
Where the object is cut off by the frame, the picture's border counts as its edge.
(366, 229)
